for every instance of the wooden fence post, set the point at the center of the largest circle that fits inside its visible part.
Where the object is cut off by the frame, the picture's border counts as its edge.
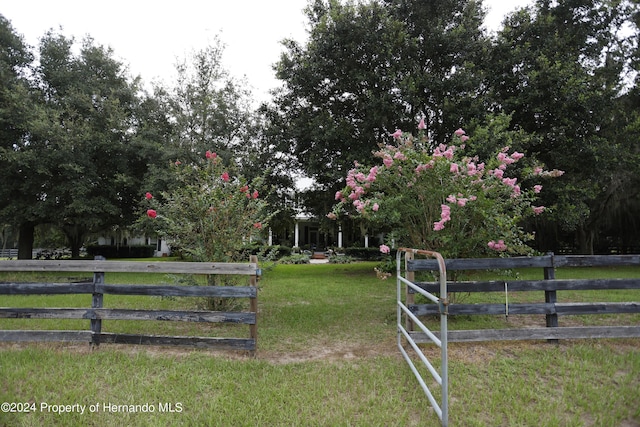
(97, 302)
(253, 281)
(550, 297)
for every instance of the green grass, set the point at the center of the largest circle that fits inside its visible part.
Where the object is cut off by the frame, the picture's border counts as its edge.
(326, 357)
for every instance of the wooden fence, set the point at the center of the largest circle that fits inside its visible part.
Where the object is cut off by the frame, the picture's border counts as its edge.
(8, 253)
(98, 288)
(551, 308)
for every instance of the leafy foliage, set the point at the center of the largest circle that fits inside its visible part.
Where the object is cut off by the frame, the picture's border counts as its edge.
(442, 199)
(212, 214)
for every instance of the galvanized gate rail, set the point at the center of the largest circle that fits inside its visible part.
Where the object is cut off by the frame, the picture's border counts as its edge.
(441, 378)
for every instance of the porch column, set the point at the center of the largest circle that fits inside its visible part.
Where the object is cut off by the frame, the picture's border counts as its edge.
(339, 236)
(366, 240)
(270, 237)
(297, 236)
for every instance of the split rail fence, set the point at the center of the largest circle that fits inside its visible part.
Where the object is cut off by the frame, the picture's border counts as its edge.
(96, 314)
(551, 308)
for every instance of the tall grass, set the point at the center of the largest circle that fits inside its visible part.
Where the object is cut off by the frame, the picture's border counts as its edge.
(326, 357)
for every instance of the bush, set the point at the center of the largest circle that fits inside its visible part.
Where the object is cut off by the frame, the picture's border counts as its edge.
(340, 259)
(365, 254)
(112, 251)
(295, 259)
(280, 251)
(445, 197)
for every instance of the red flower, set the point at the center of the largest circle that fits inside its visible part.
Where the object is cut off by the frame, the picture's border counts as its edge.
(210, 155)
(244, 189)
(151, 213)
(257, 225)
(225, 177)
(255, 194)
(148, 196)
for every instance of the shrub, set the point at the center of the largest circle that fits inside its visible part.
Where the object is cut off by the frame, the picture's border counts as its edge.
(440, 198)
(340, 259)
(112, 251)
(295, 259)
(364, 254)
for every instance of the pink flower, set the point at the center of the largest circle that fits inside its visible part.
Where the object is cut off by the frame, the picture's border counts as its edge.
(151, 213)
(387, 161)
(454, 168)
(399, 156)
(517, 156)
(445, 212)
(451, 198)
(148, 196)
(397, 134)
(375, 207)
(462, 201)
(331, 215)
(459, 132)
(509, 181)
(178, 163)
(437, 226)
(210, 155)
(538, 209)
(244, 188)
(225, 177)
(338, 195)
(464, 138)
(421, 125)
(257, 225)
(498, 173)
(471, 169)
(448, 154)
(497, 246)
(385, 249)
(537, 170)
(537, 188)
(255, 194)
(372, 174)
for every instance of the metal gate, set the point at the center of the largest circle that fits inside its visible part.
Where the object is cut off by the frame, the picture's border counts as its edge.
(404, 313)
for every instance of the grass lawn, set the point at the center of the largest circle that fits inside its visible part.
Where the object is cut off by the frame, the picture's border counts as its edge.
(326, 357)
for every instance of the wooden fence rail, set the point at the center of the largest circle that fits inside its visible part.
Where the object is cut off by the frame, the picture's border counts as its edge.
(98, 288)
(551, 308)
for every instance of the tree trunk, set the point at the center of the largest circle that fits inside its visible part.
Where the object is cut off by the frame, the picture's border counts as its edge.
(25, 241)
(75, 237)
(585, 241)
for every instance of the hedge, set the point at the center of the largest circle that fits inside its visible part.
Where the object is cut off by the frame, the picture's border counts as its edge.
(112, 251)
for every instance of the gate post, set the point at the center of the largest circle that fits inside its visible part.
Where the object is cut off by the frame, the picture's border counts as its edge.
(97, 302)
(410, 296)
(550, 297)
(253, 281)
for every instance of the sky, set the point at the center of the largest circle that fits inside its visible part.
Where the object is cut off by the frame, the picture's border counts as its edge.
(150, 36)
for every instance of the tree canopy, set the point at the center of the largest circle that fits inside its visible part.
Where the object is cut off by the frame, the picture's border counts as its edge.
(80, 140)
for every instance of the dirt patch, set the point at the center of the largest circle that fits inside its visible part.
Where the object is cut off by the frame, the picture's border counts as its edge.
(333, 351)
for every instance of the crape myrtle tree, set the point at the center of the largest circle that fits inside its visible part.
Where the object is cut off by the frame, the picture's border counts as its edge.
(87, 171)
(207, 109)
(368, 69)
(560, 69)
(17, 161)
(443, 199)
